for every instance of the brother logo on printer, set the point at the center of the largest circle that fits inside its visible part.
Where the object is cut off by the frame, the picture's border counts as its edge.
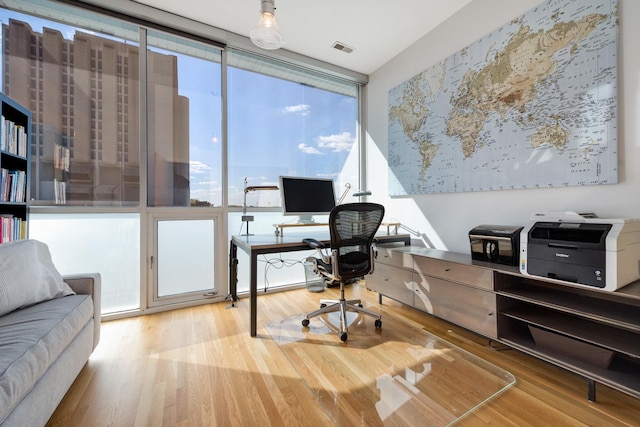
(562, 255)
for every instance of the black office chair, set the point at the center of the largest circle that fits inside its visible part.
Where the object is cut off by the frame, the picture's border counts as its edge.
(353, 227)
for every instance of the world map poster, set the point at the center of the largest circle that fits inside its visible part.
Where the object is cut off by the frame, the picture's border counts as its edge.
(530, 105)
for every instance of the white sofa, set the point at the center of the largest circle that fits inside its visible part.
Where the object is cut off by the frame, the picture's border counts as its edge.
(48, 338)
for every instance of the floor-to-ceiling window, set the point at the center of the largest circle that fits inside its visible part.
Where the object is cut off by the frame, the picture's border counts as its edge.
(184, 159)
(131, 144)
(285, 121)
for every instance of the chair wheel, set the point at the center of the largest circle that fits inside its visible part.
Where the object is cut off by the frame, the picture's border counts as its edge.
(323, 305)
(378, 323)
(343, 336)
(305, 322)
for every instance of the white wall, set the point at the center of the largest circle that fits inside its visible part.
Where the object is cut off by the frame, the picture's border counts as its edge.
(444, 220)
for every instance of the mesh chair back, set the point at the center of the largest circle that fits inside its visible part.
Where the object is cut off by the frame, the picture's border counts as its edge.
(353, 227)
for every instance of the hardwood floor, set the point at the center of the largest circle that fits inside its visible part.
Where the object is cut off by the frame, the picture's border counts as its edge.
(199, 367)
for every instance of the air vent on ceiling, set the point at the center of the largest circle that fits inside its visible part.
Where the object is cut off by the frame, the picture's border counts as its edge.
(343, 47)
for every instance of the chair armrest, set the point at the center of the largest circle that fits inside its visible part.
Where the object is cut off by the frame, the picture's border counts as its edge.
(88, 284)
(313, 243)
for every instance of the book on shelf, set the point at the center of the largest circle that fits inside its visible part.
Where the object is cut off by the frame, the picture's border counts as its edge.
(12, 228)
(13, 137)
(13, 185)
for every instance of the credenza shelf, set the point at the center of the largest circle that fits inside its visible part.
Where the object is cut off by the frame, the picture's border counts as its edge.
(615, 339)
(593, 333)
(623, 316)
(623, 374)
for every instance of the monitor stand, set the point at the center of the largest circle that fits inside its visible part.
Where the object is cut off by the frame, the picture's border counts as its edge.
(306, 219)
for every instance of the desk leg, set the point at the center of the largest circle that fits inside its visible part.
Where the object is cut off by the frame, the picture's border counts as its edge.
(253, 294)
(233, 273)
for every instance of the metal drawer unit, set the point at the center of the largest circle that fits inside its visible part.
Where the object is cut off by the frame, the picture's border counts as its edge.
(393, 282)
(470, 275)
(444, 284)
(466, 306)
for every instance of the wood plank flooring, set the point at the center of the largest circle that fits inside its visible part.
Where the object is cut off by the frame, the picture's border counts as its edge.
(199, 367)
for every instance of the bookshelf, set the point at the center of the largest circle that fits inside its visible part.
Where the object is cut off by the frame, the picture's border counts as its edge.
(15, 141)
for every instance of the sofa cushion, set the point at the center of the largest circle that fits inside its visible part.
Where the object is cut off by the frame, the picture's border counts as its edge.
(32, 338)
(27, 275)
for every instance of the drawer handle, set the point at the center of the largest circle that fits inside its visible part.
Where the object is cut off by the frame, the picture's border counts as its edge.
(447, 269)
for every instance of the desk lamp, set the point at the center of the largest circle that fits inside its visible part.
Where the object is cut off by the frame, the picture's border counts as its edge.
(347, 187)
(248, 218)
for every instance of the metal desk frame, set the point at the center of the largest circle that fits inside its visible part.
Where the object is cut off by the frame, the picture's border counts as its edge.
(263, 244)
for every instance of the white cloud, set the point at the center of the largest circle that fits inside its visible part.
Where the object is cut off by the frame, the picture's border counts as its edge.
(208, 184)
(337, 143)
(196, 167)
(302, 109)
(307, 149)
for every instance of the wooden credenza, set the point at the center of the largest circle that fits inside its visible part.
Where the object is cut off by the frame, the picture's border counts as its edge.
(590, 332)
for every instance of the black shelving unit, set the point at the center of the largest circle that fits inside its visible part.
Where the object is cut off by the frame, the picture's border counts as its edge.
(15, 143)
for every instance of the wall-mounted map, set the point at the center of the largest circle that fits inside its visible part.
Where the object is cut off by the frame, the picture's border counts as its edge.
(531, 105)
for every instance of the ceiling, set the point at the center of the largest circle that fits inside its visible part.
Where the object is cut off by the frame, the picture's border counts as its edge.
(376, 30)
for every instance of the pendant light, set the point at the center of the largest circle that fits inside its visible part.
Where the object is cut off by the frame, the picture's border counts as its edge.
(266, 34)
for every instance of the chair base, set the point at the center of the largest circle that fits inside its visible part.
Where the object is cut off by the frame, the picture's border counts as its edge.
(342, 305)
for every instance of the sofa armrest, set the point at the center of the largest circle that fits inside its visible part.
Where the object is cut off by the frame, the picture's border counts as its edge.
(88, 284)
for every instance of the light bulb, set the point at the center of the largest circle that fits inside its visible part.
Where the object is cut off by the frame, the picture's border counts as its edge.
(266, 34)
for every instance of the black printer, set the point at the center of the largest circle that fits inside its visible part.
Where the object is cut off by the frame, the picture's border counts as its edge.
(571, 247)
(495, 243)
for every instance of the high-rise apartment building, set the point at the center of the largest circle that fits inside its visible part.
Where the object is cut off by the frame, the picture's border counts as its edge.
(84, 94)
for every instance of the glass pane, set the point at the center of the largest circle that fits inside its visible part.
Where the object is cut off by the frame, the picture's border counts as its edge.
(108, 244)
(82, 88)
(282, 127)
(185, 122)
(185, 256)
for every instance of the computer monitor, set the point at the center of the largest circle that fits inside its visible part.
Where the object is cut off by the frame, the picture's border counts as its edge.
(306, 197)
